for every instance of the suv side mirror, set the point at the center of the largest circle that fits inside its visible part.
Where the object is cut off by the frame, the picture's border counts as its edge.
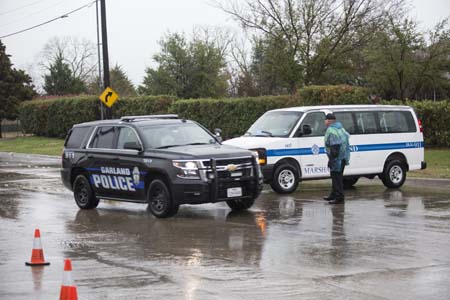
(306, 129)
(132, 146)
(218, 133)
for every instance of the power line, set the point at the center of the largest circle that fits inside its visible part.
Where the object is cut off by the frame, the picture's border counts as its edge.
(12, 10)
(49, 21)
(32, 14)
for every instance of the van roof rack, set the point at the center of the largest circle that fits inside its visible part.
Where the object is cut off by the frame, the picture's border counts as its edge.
(147, 117)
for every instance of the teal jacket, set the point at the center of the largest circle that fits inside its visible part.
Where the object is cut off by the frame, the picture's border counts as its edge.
(337, 146)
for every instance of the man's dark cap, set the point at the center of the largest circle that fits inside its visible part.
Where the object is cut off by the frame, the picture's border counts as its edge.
(330, 117)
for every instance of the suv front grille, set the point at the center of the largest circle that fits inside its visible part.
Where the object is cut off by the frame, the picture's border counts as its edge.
(229, 161)
(242, 175)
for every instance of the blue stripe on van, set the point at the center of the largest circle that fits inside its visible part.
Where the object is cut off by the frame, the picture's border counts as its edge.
(353, 148)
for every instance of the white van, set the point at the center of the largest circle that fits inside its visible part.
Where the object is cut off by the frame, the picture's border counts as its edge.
(386, 141)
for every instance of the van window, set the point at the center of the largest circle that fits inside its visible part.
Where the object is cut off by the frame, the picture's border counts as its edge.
(366, 122)
(346, 119)
(275, 123)
(103, 138)
(317, 122)
(76, 137)
(396, 121)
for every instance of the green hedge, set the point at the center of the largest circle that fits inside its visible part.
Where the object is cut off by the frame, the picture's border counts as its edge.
(53, 118)
(234, 116)
(435, 121)
(332, 95)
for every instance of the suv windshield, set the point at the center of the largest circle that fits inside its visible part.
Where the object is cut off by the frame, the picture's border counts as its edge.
(275, 123)
(166, 136)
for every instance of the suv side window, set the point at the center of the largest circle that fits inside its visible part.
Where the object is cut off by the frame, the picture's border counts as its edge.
(317, 122)
(346, 119)
(103, 138)
(76, 137)
(126, 135)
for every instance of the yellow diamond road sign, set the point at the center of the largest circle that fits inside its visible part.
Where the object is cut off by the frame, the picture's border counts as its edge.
(109, 97)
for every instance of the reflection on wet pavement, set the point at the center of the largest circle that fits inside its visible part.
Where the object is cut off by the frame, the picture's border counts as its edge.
(380, 244)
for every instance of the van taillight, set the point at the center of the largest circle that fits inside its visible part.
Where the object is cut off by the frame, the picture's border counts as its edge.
(420, 125)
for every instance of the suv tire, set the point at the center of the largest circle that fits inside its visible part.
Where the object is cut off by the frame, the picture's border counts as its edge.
(83, 193)
(394, 174)
(160, 202)
(240, 204)
(285, 179)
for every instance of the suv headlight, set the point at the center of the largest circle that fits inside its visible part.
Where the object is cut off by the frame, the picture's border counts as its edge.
(188, 169)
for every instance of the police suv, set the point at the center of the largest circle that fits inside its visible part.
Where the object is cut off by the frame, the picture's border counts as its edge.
(160, 160)
(386, 141)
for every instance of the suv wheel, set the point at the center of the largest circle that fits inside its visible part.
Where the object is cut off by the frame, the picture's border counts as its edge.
(240, 204)
(394, 174)
(285, 179)
(160, 202)
(83, 193)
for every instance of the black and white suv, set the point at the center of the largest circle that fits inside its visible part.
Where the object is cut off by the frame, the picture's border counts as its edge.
(160, 160)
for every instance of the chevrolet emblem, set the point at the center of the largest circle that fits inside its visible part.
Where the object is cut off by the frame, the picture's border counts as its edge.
(231, 168)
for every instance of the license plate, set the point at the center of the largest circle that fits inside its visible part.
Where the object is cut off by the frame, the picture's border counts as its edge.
(234, 192)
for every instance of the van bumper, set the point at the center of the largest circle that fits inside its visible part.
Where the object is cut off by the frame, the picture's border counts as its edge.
(267, 172)
(423, 165)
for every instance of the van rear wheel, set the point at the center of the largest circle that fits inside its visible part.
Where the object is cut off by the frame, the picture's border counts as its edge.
(394, 174)
(285, 179)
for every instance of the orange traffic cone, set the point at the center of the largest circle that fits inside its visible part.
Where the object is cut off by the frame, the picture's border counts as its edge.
(37, 255)
(68, 290)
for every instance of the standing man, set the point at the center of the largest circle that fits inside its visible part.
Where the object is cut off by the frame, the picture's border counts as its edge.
(338, 150)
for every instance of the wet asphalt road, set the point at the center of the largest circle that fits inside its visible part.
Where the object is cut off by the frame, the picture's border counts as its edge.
(381, 244)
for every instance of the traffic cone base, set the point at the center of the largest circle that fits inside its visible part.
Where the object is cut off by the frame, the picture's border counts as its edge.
(31, 264)
(68, 293)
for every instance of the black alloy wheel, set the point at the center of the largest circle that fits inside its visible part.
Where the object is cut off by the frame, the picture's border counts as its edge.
(160, 201)
(83, 193)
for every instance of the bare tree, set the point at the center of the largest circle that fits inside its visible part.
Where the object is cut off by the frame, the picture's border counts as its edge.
(79, 54)
(317, 31)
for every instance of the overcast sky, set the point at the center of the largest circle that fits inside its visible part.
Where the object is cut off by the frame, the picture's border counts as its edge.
(134, 26)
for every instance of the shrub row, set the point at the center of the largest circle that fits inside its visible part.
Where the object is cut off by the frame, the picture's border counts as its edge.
(55, 117)
(435, 121)
(234, 116)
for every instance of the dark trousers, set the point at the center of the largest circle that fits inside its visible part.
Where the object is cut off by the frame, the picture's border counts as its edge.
(337, 182)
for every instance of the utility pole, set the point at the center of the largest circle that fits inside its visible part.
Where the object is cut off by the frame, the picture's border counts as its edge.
(100, 82)
(106, 83)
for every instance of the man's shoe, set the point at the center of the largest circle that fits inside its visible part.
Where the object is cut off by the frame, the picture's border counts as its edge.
(328, 198)
(336, 201)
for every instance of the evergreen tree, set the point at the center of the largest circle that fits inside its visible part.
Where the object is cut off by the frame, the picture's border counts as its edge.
(61, 81)
(15, 87)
